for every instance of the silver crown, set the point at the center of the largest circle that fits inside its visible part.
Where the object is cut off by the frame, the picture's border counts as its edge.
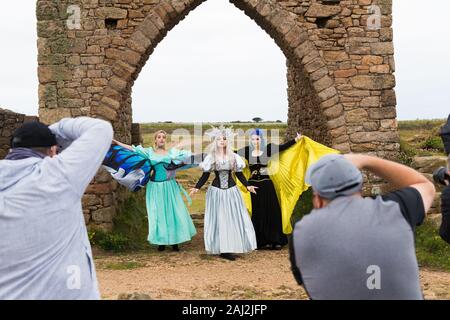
(221, 131)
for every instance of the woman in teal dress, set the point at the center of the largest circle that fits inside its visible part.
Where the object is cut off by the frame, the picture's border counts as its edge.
(169, 220)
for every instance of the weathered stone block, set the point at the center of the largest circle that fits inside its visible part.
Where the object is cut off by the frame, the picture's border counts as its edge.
(345, 73)
(90, 200)
(382, 113)
(382, 48)
(388, 98)
(334, 112)
(103, 215)
(111, 13)
(373, 82)
(364, 137)
(335, 56)
(356, 116)
(384, 68)
(429, 164)
(50, 116)
(105, 112)
(370, 102)
(322, 11)
(323, 83)
(371, 60)
(53, 73)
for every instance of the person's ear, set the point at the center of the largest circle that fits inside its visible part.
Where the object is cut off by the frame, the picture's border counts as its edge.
(53, 151)
(317, 201)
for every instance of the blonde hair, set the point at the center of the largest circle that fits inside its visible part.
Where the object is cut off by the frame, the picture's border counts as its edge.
(156, 135)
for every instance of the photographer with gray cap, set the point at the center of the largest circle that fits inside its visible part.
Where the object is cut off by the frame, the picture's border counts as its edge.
(44, 247)
(351, 247)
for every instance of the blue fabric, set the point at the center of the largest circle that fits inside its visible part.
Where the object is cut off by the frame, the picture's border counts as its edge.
(129, 168)
(168, 217)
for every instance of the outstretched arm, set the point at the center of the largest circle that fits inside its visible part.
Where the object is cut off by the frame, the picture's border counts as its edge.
(397, 174)
(187, 163)
(201, 182)
(123, 145)
(274, 149)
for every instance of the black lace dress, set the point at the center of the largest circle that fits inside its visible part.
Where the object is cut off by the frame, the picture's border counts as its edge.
(266, 212)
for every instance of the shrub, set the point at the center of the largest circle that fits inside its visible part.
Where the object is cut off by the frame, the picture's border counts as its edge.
(109, 241)
(130, 227)
(406, 154)
(433, 143)
(303, 206)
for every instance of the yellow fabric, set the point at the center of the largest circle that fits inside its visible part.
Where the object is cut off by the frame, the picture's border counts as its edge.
(245, 193)
(287, 172)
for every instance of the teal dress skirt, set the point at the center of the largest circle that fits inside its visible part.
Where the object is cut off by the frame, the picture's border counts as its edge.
(169, 221)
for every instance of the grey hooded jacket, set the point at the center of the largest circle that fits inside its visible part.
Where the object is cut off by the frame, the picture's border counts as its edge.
(44, 247)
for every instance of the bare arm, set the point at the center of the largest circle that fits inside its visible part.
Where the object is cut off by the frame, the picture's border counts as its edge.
(397, 174)
(123, 145)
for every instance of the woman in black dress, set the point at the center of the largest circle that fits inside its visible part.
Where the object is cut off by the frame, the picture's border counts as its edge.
(266, 212)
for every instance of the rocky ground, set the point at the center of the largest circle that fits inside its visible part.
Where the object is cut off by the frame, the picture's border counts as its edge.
(191, 274)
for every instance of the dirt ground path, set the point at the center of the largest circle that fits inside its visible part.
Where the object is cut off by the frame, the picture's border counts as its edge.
(191, 274)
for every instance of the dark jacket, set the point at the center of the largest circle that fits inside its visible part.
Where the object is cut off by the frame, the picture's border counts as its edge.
(444, 231)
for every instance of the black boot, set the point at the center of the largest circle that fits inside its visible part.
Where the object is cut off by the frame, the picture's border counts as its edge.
(228, 256)
(175, 248)
(161, 248)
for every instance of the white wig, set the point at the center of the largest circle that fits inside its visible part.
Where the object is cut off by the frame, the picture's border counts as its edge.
(215, 134)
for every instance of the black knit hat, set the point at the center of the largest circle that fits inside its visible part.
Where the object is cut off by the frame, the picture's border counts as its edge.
(33, 135)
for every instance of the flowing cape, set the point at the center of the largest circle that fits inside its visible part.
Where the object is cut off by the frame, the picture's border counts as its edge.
(127, 167)
(132, 169)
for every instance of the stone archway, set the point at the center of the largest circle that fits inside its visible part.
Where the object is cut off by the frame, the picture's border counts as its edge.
(340, 69)
(305, 63)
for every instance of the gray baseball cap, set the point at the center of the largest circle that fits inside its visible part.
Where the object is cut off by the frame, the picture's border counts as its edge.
(334, 176)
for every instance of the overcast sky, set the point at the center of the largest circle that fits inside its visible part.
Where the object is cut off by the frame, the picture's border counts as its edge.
(218, 65)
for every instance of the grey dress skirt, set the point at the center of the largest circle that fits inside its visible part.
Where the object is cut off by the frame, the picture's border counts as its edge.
(228, 226)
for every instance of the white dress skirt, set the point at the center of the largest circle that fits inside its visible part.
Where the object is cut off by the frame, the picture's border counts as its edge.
(228, 226)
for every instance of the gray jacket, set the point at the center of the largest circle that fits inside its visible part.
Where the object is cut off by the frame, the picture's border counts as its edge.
(360, 248)
(44, 247)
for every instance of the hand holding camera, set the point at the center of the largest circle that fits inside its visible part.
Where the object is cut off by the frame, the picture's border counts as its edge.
(442, 176)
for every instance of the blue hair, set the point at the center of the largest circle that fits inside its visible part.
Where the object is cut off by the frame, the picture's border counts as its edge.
(260, 133)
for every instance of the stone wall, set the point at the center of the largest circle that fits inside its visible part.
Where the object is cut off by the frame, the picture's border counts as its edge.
(9, 122)
(340, 68)
(303, 114)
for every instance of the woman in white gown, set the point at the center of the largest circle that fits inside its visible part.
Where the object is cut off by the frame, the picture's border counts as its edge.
(228, 226)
